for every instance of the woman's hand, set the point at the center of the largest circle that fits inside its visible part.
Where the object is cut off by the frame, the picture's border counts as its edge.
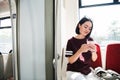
(85, 47)
(92, 47)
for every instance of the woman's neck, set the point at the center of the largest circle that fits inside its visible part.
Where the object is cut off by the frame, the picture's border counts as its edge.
(80, 36)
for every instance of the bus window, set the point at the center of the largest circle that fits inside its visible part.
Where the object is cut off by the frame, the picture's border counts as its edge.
(106, 21)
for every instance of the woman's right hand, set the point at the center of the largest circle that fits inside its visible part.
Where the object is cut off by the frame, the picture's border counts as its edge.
(84, 48)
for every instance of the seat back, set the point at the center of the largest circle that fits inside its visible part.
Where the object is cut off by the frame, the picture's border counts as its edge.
(113, 57)
(1, 67)
(64, 62)
(98, 62)
(9, 66)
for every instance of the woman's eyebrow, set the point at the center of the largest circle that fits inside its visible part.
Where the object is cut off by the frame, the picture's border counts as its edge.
(86, 25)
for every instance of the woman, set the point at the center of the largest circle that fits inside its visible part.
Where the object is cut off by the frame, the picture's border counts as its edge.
(80, 54)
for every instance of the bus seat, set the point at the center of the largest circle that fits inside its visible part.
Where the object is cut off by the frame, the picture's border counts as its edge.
(64, 62)
(1, 67)
(9, 66)
(113, 57)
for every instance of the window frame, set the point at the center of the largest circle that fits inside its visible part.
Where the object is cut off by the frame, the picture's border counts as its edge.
(3, 18)
(5, 27)
(115, 2)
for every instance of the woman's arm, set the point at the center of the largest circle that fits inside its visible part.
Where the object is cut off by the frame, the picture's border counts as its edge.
(93, 50)
(83, 48)
(74, 57)
(94, 56)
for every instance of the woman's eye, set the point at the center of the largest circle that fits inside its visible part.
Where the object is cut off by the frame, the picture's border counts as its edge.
(85, 26)
(90, 28)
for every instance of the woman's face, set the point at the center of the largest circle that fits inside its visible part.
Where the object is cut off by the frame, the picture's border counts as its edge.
(85, 28)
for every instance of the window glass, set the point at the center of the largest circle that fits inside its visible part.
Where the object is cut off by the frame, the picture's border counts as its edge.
(5, 40)
(106, 20)
(5, 22)
(92, 2)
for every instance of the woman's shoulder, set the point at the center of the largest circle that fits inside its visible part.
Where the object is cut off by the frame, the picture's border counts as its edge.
(73, 38)
(70, 38)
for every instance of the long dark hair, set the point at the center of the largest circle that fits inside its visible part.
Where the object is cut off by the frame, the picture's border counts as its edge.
(83, 20)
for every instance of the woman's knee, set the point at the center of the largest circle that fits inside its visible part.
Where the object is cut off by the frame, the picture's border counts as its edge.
(75, 76)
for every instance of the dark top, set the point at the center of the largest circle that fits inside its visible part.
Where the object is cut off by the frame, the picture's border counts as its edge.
(73, 45)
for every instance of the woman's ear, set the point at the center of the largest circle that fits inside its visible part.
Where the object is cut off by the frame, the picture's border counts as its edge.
(79, 25)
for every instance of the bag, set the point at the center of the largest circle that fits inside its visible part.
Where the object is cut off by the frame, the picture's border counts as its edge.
(106, 74)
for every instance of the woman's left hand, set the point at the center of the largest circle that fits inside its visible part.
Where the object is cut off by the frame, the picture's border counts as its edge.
(92, 47)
